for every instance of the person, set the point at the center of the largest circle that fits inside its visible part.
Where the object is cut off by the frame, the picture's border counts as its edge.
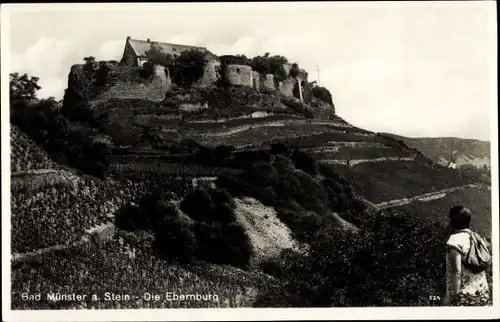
(463, 287)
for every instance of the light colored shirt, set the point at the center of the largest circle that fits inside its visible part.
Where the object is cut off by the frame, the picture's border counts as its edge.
(470, 283)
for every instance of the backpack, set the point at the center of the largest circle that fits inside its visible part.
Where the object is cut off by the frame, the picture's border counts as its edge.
(478, 258)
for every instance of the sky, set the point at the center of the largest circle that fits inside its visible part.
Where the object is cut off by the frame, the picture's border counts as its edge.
(413, 69)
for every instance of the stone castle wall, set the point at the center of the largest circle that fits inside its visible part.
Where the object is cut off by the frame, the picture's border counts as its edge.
(153, 90)
(256, 80)
(240, 75)
(286, 87)
(210, 76)
(268, 83)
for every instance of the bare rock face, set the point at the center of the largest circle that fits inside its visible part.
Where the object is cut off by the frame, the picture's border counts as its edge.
(108, 80)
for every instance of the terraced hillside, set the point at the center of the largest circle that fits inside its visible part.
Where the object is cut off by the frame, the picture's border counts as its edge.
(64, 239)
(464, 151)
(207, 190)
(120, 269)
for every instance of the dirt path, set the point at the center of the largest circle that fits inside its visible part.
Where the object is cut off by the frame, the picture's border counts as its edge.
(425, 197)
(353, 162)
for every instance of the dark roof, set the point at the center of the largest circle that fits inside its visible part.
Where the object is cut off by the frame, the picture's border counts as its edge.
(142, 46)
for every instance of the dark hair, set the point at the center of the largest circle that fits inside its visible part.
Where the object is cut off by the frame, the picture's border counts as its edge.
(460, 217)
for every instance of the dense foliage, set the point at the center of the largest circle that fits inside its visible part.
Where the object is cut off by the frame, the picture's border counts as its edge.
(209, 232)
(67, 144)
(268, 64)
(302, 202)
(323, 94)
(185, 69)
(23, 87)
(396, 262)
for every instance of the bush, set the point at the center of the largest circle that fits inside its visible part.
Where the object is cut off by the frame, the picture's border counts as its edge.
(223, 244)
(294, 71)
(322, 94)
(396, 263)
(71, 145)
(278, 148)
(213, 205)
(197, 204)
(283, 165)
(147, 70)
(304, 161)
(262, 174)
(233, 185)
(176, 240)
(188, 67)
(270, 65)
(266, 195)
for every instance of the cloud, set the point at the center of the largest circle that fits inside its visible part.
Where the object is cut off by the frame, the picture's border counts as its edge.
(47, 59)
(111, 50)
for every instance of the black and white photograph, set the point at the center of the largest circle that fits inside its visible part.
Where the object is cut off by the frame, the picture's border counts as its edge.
(235, 161)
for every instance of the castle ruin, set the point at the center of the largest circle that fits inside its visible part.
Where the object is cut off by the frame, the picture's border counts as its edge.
(136, 51)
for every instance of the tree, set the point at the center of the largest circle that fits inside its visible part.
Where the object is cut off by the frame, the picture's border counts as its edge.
(189, 67)
(23, 87)
(157, 56)
(294, 71)
(322, 94)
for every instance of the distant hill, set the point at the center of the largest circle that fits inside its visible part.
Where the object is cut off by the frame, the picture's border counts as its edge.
(465, 151)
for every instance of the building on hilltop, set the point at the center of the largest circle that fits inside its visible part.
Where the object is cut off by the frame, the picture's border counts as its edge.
(135, 50)
(135, 54)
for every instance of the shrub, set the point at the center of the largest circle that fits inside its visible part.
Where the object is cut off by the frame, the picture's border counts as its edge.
(197, 204)
(223, 210)
(74, 146)
(223, 244)
(283, 165)
(213, 205)
(266, 195)
(304, 161)
(396, 263)
(176, 240)
(222, 153)
(270, 65)
(278, 148)
(262, 174)
(235, 60)
(188, 67)
(147, 70)
(233, 185)
(302, 223)
(294, 71)
(272, 267)
(322, 94)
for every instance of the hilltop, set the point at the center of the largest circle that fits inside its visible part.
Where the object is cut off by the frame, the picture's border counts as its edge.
(465, 151)
(261, 194)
